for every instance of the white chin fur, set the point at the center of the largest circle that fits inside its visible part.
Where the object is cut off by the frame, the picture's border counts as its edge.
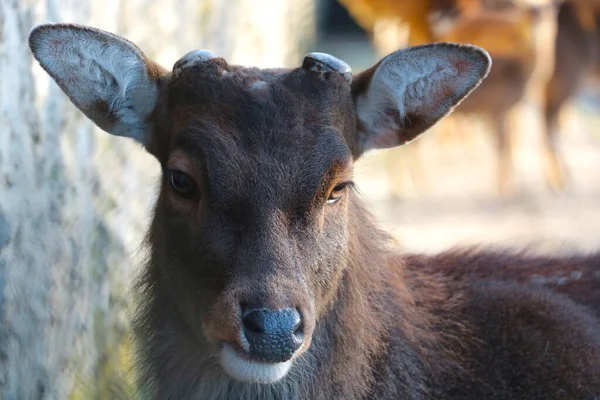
(249, 371)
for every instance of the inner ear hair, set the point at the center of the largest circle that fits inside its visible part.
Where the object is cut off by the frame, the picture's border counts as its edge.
(410, 90)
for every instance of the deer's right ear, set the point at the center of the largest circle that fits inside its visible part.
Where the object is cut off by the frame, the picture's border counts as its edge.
(105, 76)
(410, 90)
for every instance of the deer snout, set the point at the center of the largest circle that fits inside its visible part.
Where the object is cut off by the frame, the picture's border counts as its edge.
(261, 328)
(272, 336)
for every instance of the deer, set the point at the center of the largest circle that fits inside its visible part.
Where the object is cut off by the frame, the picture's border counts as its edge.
(509, 35)
(518, 35)
(267, 277)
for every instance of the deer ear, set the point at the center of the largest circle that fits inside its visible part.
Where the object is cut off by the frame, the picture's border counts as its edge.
(410, 90)
(105, 76)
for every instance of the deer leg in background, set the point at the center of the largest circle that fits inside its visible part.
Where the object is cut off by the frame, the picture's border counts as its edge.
(405, 171)
(504, 151)
(554, 167)
(417, 173)
(574, 55)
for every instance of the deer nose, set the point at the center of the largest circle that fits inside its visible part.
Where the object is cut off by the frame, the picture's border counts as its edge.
(273, 335)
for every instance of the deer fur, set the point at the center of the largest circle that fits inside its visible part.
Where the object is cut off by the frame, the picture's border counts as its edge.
(259, 216)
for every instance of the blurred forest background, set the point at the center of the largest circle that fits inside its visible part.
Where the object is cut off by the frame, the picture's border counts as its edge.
(517, 165)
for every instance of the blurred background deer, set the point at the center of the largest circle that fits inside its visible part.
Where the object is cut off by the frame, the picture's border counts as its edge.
(542, 52)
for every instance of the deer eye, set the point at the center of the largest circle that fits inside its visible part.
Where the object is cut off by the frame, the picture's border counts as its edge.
(337, 192)
(181, 182)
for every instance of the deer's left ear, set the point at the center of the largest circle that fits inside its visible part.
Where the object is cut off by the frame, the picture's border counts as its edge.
(410, 90)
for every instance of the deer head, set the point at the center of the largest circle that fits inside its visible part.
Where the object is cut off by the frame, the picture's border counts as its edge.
(251, 231)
